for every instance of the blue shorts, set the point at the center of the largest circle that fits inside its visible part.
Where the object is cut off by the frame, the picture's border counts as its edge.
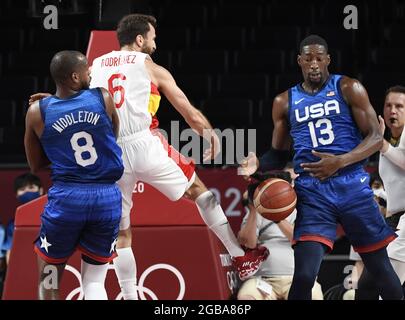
(346, 199)
(80, 216)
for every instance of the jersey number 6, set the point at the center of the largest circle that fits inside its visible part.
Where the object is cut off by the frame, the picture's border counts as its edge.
(118, 88)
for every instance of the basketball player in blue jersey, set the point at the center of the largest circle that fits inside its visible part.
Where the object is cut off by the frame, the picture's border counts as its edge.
(75, 131)
(332, 127)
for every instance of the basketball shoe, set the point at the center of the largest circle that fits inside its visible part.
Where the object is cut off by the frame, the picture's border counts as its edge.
(250, 263)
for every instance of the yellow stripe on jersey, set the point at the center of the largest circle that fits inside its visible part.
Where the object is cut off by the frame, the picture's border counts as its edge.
(154, 99)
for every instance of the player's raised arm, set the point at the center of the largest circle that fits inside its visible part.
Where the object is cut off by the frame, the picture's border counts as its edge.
(111, 110)
(33, 127)
(366, 119)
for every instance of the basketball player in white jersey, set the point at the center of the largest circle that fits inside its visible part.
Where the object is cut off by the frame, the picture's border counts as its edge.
(135, 82)
(392, 171)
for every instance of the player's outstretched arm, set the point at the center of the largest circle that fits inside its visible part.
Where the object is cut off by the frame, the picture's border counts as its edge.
(33, 149)
(277, 157)
(366, 119)
(194, 118)
(111, 110)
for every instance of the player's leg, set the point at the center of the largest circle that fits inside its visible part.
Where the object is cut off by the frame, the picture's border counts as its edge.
(366, 287)
(213, 216)
(98, 238)
(124, 263)
(379, 266)
(174, 176)
(61, 224)
(367, 231)
(93, 278)
(50, 276)
(314, 233)
(307, 261)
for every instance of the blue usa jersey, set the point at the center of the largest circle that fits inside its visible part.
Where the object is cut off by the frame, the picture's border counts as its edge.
(321, 121)
(78, 139)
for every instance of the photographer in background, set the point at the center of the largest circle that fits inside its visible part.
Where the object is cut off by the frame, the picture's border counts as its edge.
(273, 280)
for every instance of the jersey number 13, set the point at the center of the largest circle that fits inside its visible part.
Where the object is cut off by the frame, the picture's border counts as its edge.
(326, 132)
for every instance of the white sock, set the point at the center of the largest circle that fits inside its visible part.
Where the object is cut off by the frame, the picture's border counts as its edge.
(125, 269)
(93, 278)
(214, 217)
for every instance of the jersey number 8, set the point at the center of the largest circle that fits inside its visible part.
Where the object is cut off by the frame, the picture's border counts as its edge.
(87, 147)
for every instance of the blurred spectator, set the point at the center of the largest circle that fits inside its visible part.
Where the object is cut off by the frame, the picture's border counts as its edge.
(380, 195)
(27, 187)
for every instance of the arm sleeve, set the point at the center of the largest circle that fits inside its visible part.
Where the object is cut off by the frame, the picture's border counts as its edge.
(273, 160)
(397, 155)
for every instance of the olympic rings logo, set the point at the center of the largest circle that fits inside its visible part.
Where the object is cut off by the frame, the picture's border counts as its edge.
(232, 280)
(141, 289)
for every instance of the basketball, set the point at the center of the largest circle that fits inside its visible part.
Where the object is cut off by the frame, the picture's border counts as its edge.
(275, 199)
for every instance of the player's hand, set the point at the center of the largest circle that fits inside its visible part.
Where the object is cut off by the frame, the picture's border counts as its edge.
(381, 128)
(248, 166)
(324, 168)
(214, 148)
(37, 96)
(381, 125)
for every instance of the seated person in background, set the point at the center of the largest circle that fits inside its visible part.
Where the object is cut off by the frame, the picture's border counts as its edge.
(27, 187)
(273, 280)
(380, 195)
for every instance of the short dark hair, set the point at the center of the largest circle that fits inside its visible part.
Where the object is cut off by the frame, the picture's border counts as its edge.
(64, 63)
(132, 25)
(313, 39)
(26, 179)
(397, 89)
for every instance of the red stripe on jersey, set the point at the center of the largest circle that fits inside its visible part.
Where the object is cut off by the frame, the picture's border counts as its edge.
(154, 89)
(155, 123)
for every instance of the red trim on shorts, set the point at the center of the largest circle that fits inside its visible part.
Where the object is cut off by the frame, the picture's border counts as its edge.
(49, 259)
(186, 165)
(96, 257)
(375, 246)
(316, 238)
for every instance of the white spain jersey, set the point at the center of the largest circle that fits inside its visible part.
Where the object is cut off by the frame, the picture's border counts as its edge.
(124, 75)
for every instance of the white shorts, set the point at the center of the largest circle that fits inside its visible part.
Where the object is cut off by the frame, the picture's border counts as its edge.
(146, 158)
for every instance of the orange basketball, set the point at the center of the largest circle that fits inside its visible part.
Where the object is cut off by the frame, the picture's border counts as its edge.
(275, 199)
